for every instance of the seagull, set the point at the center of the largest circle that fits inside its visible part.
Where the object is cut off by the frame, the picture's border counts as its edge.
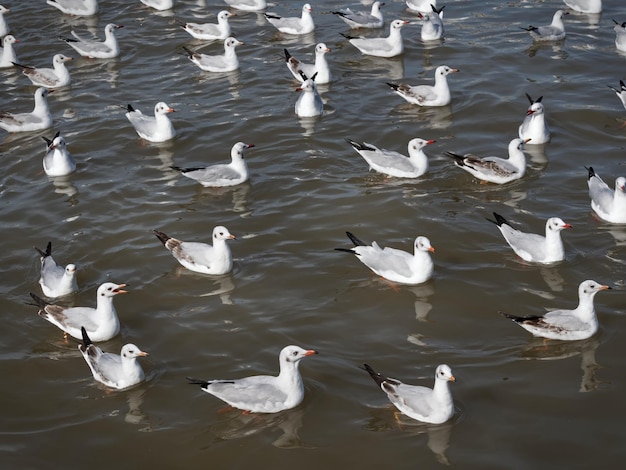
(320, 68)
(621, 93)
(96, 49)
(75, 7)
(393, 264)
(433, 406)
(226, 62)
(389, 46)
(4, 27)
(362, 19)
(263, 393)
(57, 161)
(609, 205)
(585, 6)
(211, 31)
(534, 127)
(309, 103)
(620, 35)
(8, 54)
(427, 95)
(55, 280)
(154, 129)
(531, 247)
(236, 172)
(160, 5)
(247, 5)
(422, 6)
(101, 322)
(555, 31)
(56, 77)
(293, 25)
(432, 28)
(566, 325)
(393, 163)
(494, 169)
(115, 371)
(38, 119)
(202, 257)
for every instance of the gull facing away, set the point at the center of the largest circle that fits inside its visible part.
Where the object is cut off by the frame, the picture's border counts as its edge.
(555, 31)
(56, 77)
(393, 264)
(202, 257)
(620, 35)
(220, 63)
(393, 163)
(534, 127)
(363, 19)
(55, 280)
(494, 169)
(585, 6)
(293, 25)
(389, 46)
(157, 128)
(309, 103)
(621, 93)
(320, 68)
(8, 57)
(101, 322)
(57, 161)
(566, 325)
(424, 404)
(4, 27)
(211, 31)
(40, 118)
(93, 49)
(160, 5)
(231, 174)
(247, 5)
(428, 95)
(608, 204)
(75, 7)
(113, 370)
(532, 247)
(422, 6)
(432, 28)
(263, 393)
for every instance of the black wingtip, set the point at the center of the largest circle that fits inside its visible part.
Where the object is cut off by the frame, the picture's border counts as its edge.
(46, 253)
(40, 302)
(379, 379)
(590, 172)
(287, 55)
(499, 220)
(161, 236)
(393, 86)
(194, 381)
(346, 250)
(354, 239)
(86, 339)
(347, 36)
(129, 108)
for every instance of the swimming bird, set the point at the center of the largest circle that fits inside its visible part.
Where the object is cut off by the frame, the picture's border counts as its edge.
(608, 204)
(534, 126)
(494, 169)
(555, 31)
(115, 371)
(393, 264)
(293, 25)
(363, 19)
(107, 49)
(202, 257)
(247, 5)
(56, 77)
(211, 31)
(320, 68)
(620, 35)
(40, 118)
(154, 129)
(57, 161)
(101, 322)
(389, 46)
(231, 174)
(585, 6)
(263, 393)
(8, 53)
(427, 95)
(55, 280)
(424, 404)
(432, 27)
(226, 62)
(309, 103)
(566, 325)
(4, 27)
(423, 6)
(531, 247)
(621, 93)
(393, 163)
(160, 5)
(75, 7)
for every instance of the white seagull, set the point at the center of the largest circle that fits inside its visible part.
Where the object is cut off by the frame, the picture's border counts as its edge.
(57, 161)
(620, 35)
(532, 247)
(309, 103)
(211, 31)
(202, 257)
(40, 118)
(106, 49)
(585, 6)
(220, 63)
(494, 169)
(263, 393)
(389, 46)
(424, 404)
(621, 93)
(247, 5)
(293, 25)
(320, 68)
(555, 31)
(534, 126)
(422, 6)
(608, 204)
(566, 325)
(157, 128)
(101, 322)
(231, 174)
(4, 27)
(363, 19)
(75, 7)
(8, 56)
(394, 163)
(115, 371)
(56, 77)
(160, 5)
(432, 28)
(55, 280)
(393, 264)
(427, 95)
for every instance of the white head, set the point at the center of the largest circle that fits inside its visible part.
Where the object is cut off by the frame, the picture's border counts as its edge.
(306, 8)
(423, 244)
(556, 224)
(294, 354)
(41, 93)
(70, 270)
(321, 49)
(620, 184)
(60, 59)
(109, 289)
(236, 153)
(444, 70)
(9, 39)
(223, 16)
(130, 351)
(108, 29)
(398, 24)
(417, 144)
(559, 14)
(443, 372)
(231, 43)
(3, 9)
(590, 288)
(58, 143)
(376, 7)
(221, 233)
(517, 144)
(162, 108)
